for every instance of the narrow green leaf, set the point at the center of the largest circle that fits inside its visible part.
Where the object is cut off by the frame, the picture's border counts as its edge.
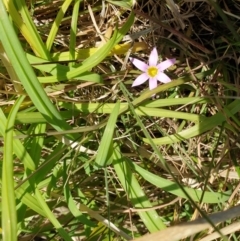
(206, 125)
(141, 110)
(73, 31)
(128, 4)
(33, 40)
(171, 187)
(73, 208)
(30, 201)
(9, 216)
(51, 216)
(56, 24)
(135, 193)
(18, 147)
(176, 101)
(106, 142)
(39, 47)
(60, 71)
(36, 143)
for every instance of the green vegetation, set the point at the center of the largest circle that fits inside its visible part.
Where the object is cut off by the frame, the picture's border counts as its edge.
(86, 156)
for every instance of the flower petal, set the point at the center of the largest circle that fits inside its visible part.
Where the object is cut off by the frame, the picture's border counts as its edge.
(140, 79)
(166, 64)
(152, 83)
(163, 78)
(139, 64)
(153, 57)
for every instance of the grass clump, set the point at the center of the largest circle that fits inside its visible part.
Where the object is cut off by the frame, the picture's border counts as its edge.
(85, 155)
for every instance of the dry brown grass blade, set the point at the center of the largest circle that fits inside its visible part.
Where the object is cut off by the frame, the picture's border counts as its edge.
(174, 31)
(230, 229)
(175, 13)
(187, 229)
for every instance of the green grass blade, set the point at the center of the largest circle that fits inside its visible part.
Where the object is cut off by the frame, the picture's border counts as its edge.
(57, 23)
(9, 216)
(176, 101)
(36, 42)
(59, 70)
(72, 206)
(124, 4)
(141, 110)
(18, 147)
(135, 193)
(208, 124)
(171, 187)
(105, 147)
(26, 31)
(30, 201)
(73, 31)
(36, 143)
(51, 216)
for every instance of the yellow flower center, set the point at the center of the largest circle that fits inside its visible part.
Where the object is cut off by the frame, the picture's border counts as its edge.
(152, 71)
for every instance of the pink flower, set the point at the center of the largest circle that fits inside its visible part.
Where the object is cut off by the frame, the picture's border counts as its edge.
(152, 71)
